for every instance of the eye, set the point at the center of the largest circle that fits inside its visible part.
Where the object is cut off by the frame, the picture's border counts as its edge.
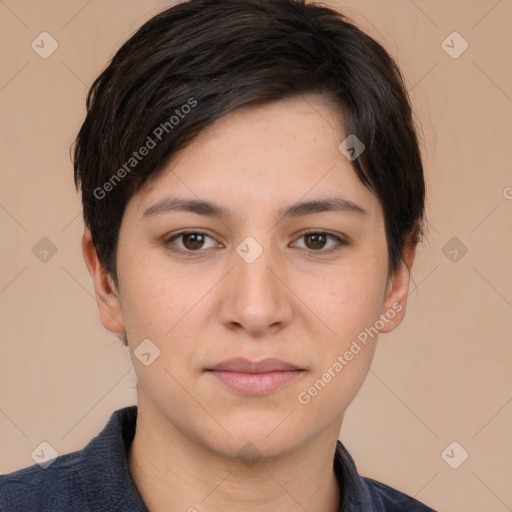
(192, 241)
(316, 240)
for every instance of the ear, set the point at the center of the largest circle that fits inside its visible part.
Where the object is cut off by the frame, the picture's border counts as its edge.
(107, 296)
(398, 287)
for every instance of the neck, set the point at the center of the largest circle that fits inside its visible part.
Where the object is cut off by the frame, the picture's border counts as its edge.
(174, 472)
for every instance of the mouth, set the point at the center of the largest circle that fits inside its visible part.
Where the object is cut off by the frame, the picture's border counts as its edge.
(255, 378)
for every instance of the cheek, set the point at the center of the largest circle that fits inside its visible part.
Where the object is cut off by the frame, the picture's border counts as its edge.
(154, 302)
(348, 306)
(348, 302)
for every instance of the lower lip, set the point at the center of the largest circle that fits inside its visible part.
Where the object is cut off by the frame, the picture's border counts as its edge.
(256, 383)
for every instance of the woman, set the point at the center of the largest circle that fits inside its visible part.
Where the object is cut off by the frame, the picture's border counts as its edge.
(253, 195)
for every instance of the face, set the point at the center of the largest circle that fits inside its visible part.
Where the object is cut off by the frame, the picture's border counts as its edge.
(254, 282)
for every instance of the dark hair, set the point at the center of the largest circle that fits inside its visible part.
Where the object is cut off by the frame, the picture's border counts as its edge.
(200, 59)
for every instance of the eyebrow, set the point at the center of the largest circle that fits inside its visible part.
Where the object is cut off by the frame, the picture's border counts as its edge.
(210, 209)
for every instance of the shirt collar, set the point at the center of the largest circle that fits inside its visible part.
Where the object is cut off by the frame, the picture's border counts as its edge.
(105, 459)
(355, 496)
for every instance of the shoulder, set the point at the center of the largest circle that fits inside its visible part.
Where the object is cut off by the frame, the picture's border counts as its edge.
(366, 494)
(393, 500)
(43, 488)
(95, 478)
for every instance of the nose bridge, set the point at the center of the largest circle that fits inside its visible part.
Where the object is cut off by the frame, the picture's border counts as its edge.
(256, 297)
(253, 260)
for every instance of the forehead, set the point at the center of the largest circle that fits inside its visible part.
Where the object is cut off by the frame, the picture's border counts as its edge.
(263, 157)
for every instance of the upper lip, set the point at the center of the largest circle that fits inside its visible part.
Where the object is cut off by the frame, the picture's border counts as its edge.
(246, 366)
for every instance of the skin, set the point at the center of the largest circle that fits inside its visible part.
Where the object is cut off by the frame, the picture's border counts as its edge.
(296, 302)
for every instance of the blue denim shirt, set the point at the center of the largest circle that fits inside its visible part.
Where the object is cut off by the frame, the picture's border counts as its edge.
(97, 479)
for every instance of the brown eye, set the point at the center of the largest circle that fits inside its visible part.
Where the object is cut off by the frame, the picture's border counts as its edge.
(192, 241)
(316, 241)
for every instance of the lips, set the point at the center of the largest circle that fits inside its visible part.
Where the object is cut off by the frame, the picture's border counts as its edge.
(255, 378)
(242, 365)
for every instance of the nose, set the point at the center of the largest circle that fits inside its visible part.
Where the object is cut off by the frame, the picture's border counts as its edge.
(255, 297)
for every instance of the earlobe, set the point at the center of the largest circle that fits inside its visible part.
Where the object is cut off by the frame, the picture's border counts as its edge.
(398, 288)
(107, 296)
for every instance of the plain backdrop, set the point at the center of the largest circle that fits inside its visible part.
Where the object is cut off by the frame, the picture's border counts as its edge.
(442, 377)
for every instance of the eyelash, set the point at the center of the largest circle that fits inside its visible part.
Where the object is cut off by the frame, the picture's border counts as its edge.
(340, 241)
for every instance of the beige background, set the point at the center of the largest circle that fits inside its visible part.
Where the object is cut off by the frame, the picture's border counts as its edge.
(444, 375)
